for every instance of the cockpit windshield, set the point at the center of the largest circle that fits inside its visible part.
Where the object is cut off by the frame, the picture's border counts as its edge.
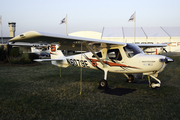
(131, 50)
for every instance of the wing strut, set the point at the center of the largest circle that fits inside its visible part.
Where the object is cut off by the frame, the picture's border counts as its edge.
(91, 50)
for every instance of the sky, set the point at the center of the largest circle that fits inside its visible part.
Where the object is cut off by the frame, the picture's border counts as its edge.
(86, 15)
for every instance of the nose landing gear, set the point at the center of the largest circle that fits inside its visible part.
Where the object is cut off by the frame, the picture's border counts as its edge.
(154, 85)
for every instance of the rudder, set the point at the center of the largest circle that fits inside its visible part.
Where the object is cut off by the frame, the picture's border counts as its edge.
(57, 54)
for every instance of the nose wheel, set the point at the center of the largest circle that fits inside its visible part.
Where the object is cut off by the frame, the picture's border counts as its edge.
(154, 85)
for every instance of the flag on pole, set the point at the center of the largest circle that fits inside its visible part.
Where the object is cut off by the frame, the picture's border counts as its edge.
(132, 18)
(63, 21)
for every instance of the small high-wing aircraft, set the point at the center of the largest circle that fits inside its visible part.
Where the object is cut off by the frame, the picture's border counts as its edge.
(41, 50)
(108, 56)
(154, 49)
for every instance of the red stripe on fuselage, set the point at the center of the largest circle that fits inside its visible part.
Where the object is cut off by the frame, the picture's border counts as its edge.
(113, 64)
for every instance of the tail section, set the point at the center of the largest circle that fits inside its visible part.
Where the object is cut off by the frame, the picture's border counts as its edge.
(55, 53)
(57, 57)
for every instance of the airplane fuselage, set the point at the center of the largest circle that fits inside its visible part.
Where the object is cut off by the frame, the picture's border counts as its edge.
(139, 64)
(118, 60)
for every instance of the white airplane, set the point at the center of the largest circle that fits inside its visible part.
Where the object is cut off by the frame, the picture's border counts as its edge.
(154, 49)
(112, 56)
(42, 50)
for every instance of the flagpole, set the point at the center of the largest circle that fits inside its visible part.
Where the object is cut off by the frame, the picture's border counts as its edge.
(134, 27)
(64, 21)
(133, 18)
(66, 24)
(1, 30)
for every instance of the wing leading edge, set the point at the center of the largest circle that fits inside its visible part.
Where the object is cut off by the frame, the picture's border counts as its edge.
(65, 42)
(151, 45)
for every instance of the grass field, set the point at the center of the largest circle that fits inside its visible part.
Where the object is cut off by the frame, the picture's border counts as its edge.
(38, 92)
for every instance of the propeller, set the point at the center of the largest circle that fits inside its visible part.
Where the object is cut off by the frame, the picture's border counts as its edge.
(164, 50)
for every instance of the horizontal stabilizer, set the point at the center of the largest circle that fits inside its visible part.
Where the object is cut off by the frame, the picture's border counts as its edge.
(43, 60)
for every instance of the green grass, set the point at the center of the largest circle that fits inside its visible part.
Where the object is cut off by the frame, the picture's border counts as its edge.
(38, 92)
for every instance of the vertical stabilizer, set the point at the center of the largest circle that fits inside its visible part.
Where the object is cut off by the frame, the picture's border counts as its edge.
(57, 54)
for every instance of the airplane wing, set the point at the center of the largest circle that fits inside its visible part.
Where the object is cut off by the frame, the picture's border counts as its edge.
(65, 42)
(146, 46)
(27, 44)
(151, 45)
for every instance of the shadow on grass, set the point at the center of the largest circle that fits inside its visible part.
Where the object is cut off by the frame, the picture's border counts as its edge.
(145, 82)
(119, 91)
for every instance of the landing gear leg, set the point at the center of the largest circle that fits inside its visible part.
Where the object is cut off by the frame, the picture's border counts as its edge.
(130, 78)
(149, 80)
(103, 84)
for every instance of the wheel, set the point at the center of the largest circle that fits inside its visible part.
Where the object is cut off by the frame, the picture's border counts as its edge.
(103, 84)
(155, 85)
(131, 78)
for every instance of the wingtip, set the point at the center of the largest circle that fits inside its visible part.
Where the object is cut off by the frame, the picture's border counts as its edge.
(25, 35)
(38, 60)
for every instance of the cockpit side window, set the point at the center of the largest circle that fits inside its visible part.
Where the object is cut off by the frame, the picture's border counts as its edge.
(98, 54)
(131, 50)
(114, 54)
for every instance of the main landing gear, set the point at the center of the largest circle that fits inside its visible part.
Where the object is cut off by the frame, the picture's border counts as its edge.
(130, 78)
(103, 84)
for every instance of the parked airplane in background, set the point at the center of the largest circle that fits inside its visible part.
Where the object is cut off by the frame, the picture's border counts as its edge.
(108, 56)
(42, 50)
(153, 49)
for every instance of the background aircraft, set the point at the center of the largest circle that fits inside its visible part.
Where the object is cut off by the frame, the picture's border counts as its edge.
(42, 50)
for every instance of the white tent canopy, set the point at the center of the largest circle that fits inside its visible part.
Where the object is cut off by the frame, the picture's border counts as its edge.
(145, 35)
(141, 32)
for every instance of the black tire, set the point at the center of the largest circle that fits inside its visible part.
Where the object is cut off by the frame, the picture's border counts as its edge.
(131, 79)
(103, 84)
